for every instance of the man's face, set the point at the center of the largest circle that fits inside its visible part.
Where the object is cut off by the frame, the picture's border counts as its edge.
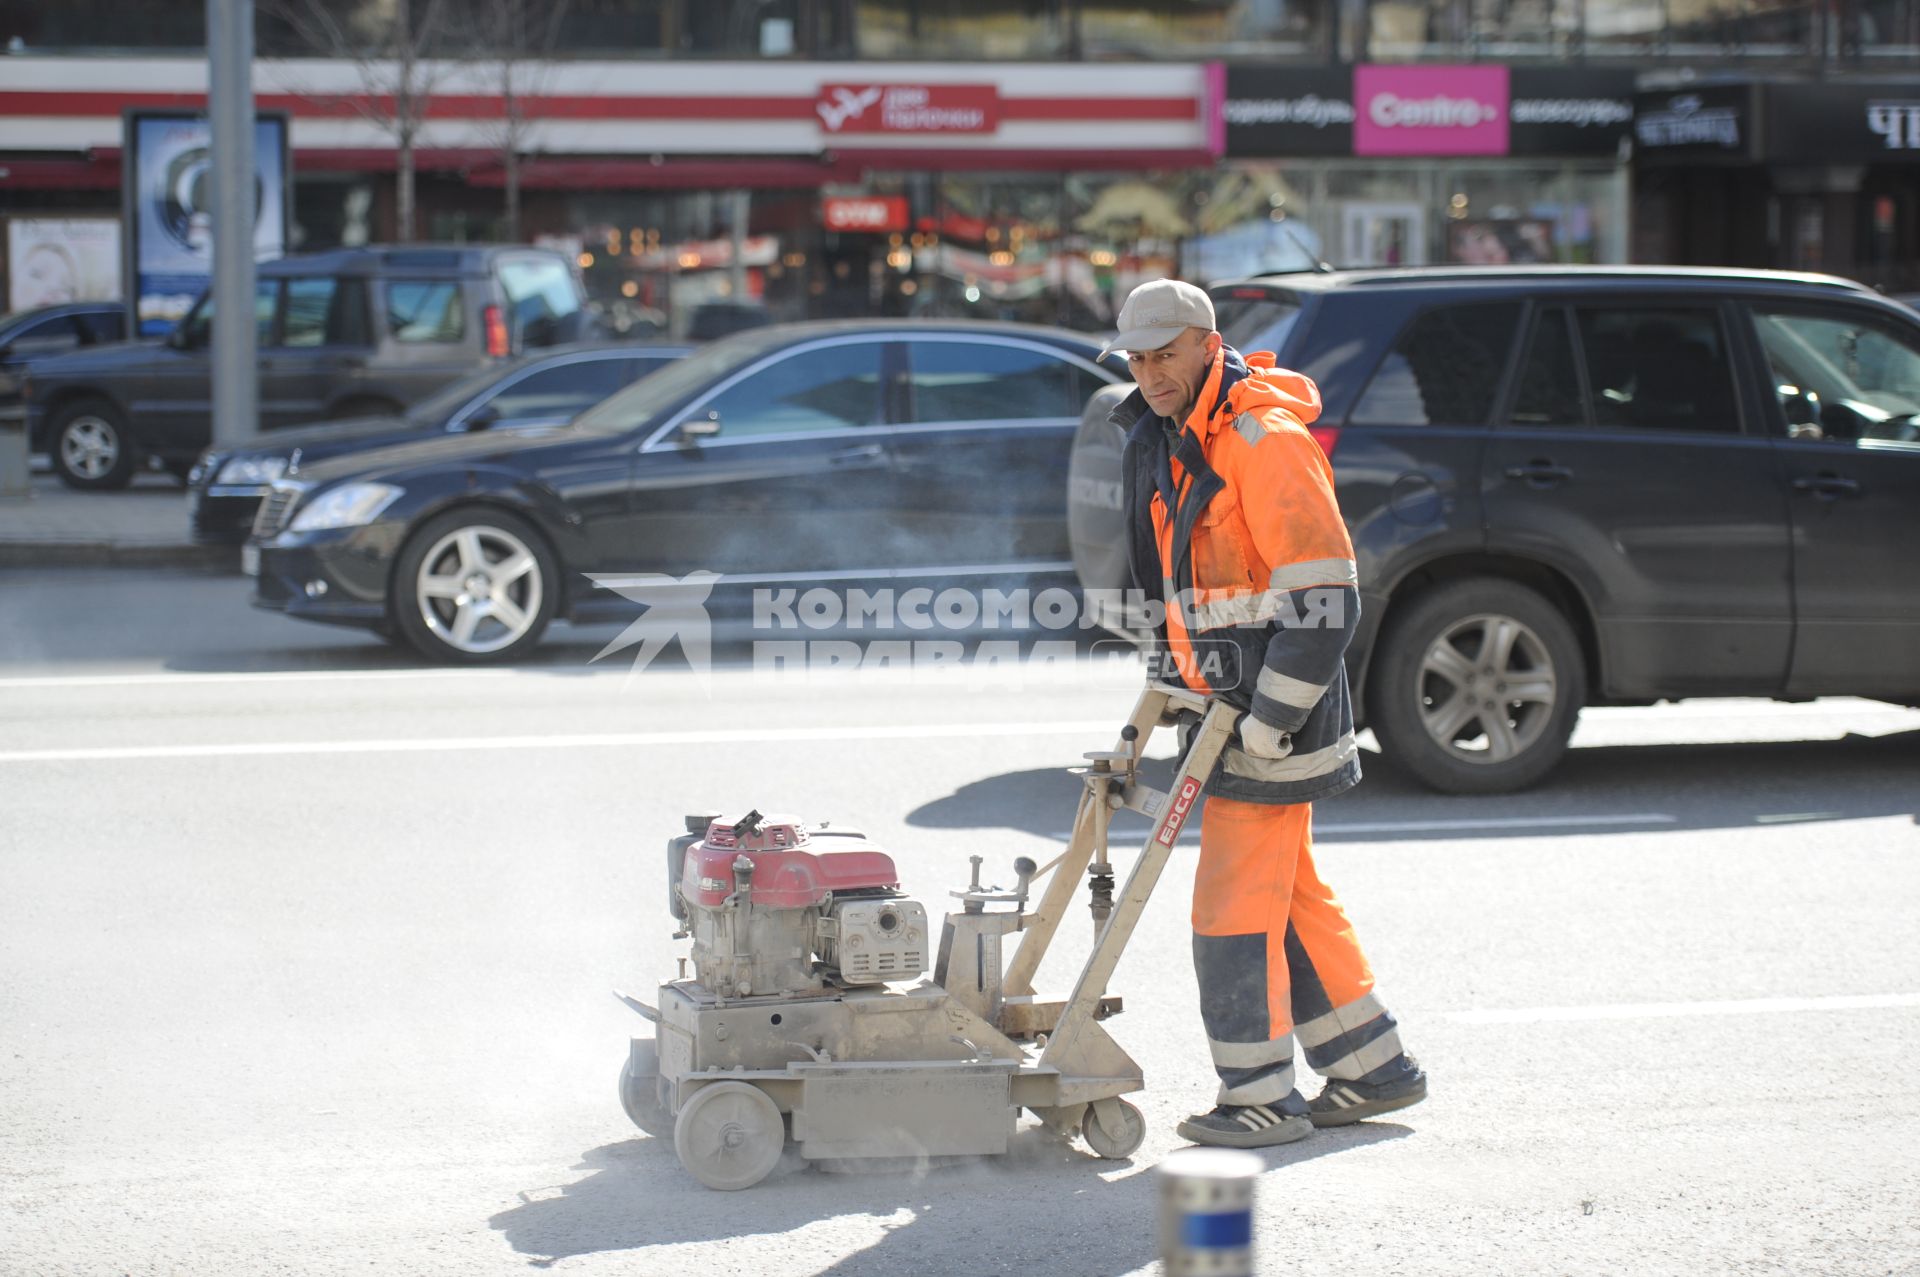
(1171, 376)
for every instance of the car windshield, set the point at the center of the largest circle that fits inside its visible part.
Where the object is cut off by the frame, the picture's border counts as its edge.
(658, 392)
(434, 410)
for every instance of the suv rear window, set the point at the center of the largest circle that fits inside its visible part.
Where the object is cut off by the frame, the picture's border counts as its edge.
(1444, 370)
(1254, 319)
(540, 295)
(425, 310)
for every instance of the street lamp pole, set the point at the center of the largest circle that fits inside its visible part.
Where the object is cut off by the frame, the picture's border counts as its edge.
(236, 384)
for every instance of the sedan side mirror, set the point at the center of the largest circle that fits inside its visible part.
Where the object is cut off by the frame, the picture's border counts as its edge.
(700, 427)
(483, 418)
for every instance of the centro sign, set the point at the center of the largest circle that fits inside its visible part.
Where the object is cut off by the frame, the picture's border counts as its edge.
(908, 108)
(1430, 110)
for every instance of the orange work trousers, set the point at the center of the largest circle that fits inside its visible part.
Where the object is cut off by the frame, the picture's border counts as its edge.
(1277, 960)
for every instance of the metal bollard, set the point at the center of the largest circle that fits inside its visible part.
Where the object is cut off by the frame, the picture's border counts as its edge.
(1206, 1212)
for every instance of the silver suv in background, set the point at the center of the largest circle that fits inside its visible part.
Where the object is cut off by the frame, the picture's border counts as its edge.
(350, 333)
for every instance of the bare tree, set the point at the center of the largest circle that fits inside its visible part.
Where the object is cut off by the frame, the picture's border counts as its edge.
(515, 41)
(389, 42)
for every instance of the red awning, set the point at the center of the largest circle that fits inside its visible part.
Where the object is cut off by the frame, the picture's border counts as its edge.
(74, 173)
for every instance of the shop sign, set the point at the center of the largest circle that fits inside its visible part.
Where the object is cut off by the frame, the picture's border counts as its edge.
(1291, 111)
(1569, 111)
(880, 213)
(1848, 123)
(1897, 123)
(1430, 110)
(1712, 119)
(908, 108)
(1308, 112)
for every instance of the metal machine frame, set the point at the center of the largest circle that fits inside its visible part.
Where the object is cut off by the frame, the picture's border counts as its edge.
(943, 1067)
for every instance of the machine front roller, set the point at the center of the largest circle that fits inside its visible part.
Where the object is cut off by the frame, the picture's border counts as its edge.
(729, 1135)
(1113, 1129)
(640, 1091)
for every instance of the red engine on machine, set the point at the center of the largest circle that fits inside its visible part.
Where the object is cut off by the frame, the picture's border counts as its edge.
(792, 868)
(775, 906)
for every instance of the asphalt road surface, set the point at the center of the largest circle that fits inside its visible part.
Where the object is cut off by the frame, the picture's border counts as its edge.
(305, 960)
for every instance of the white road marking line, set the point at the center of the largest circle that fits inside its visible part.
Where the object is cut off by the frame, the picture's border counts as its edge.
(1455, 826)
(1676, 1010)
(185, 680)
(728, 736)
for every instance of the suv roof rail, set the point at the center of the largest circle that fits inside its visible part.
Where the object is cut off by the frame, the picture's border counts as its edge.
(1386, 277)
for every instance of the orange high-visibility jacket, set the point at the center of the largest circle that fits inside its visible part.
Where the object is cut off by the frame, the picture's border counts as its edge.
(1232, 521)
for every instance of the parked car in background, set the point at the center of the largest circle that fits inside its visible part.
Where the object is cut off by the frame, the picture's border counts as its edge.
(45, 331)
(351, 333)
(837, 450)
(547, 388)
(1598, 486)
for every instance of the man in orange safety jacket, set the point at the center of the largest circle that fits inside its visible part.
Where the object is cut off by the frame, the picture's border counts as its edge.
(1233, 525)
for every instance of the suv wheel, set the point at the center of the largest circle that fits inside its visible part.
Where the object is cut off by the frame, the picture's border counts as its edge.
(87, 442)
(1476, 686)
(474, 585)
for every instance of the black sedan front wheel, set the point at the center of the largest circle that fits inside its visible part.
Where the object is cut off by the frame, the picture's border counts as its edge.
(474, 585)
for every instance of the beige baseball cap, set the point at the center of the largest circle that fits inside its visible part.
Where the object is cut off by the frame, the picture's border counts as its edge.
(1157, 312)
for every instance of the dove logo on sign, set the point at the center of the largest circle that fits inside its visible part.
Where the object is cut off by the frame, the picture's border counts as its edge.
(908, 108)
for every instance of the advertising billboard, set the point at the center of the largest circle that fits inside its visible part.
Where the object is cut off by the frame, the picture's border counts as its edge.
(167, 189)
(62, 259)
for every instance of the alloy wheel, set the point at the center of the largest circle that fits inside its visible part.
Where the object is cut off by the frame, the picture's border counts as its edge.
(1487, 689)
(479, 589)
(89, 447)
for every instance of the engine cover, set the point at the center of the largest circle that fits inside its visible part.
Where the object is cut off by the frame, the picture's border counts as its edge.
(776, 907)
(877, 940)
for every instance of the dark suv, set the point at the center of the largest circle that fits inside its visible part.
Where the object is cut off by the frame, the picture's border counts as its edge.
(1573, 487)
(353, 333)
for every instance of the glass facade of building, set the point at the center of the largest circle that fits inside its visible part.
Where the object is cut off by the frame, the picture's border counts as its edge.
(1875, 33)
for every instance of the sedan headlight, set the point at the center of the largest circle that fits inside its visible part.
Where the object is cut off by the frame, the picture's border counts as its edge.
(348, 507)
(253, 470)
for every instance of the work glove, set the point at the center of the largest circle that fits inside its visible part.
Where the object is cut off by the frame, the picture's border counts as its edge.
(1262, 741)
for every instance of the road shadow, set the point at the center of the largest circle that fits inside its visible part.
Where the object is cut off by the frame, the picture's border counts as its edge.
(1610, 789)
(976, 1216)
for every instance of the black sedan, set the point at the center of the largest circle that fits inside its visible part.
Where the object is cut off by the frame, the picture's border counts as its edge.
(225, 487)
(826, 450)
(26, 335)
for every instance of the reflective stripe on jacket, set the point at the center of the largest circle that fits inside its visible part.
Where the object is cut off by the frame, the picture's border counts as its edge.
(1232, 521)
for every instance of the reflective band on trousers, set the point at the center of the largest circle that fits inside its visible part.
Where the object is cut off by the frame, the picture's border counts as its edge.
(1269, 1088)
(1325, 1028)
(1251, 1055)
(1365, 1059)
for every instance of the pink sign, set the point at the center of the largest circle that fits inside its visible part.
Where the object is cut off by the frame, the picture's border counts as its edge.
(1430, 110)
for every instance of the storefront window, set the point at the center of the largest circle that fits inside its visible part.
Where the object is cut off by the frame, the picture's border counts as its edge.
(1415, 29)
(960, 29)
(1526, 214)
(1181, 28)
(83, 24)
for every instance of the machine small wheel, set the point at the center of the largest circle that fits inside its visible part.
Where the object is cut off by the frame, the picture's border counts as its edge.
(1117, 1137)
(640, 1097)
(729, 1135)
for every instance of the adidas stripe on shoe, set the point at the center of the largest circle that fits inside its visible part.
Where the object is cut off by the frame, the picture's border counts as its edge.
(1245, 1126)
(1342, 1103)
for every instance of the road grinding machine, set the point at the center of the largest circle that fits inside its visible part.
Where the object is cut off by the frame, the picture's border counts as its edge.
(807, 1023)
